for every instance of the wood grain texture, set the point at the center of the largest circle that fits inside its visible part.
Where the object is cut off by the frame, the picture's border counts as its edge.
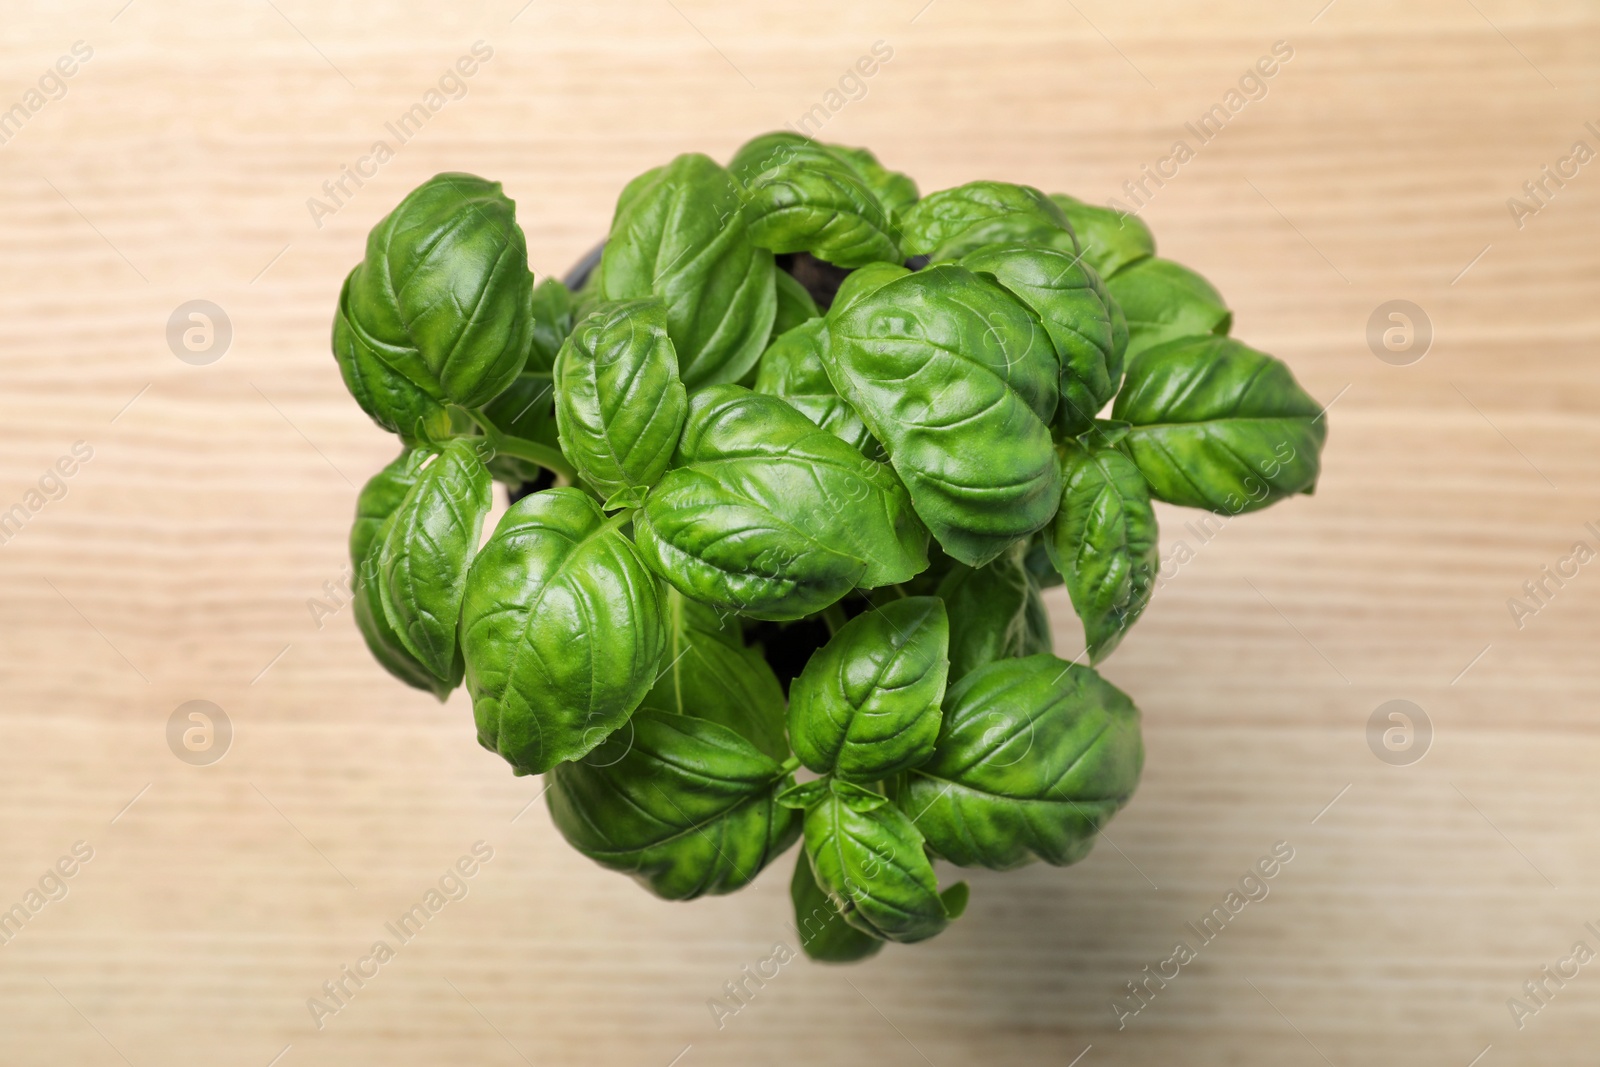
(180, 560)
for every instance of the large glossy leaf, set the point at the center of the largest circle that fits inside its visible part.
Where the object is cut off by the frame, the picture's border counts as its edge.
(995, 612)
(1077, 313)
(766, 514)
(952, 222)
(958, 381)
(791, 367)
(1104, 541)
(710, 673)
(801, 197)
(562, 629)
(895, 191)
(379, 499)
(683, 805)
(444, 294)
(388, 397)
(420, 564)
(868, 857)
(1110, 239)
(1035, 755)
(552, 321)
(1219, 425)
(679, 235)
(866, 706)
(619, 402)
(1163, 300)
(824, 935)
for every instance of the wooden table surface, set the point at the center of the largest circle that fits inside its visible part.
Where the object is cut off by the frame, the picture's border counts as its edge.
(182, 560)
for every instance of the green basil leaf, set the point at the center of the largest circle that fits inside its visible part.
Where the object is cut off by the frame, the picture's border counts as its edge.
(444, 295)
(388, 397)
(1163, 300)
(895, 191)
(1110, 239)
(800, 197)
(552, 321)
(1104, 542)
(1034, 757)
(420, 565)
(562, 628)
(679, 235)
(768, 515)
(824, 935)
(791, 368)
(795, 305)
(958, 381)
(1119, 329)
(683, 805)
(952, 222)
(712, 674)
(860, 284)
(380, 498)
(868, 857)
(1077, 313)
(955, 899)
(1219, 425)
(619, 403)
(804, 795)
(526, 411)
(386, 647)
(866, 706)
(995, 613)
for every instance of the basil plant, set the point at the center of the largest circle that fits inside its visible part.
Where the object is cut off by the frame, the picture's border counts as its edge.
(791, 464)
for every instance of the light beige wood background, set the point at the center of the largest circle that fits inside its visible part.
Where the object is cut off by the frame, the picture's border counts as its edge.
(179, 563)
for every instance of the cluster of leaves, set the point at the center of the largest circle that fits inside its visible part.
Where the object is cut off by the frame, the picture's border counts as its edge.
(733, 469)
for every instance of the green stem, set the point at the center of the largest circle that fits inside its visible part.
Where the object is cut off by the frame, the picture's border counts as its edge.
(833, 616)
(521, 448)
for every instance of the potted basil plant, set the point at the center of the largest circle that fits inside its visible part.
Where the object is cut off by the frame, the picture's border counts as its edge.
(792, 462)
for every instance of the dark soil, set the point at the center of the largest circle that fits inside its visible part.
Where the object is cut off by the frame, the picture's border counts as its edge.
(821, 280)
